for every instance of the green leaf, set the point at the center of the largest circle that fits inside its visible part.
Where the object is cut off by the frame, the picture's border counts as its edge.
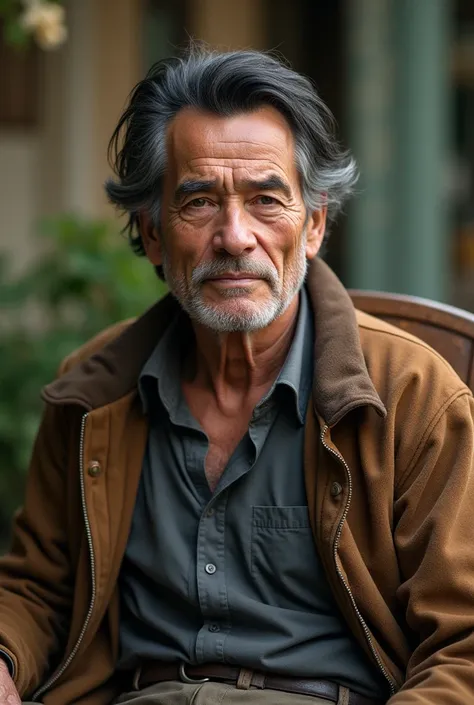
(14, 33)
(84, 278)
(8, 6)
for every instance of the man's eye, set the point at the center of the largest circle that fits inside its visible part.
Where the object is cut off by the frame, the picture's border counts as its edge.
(197, 203)
(266, 201)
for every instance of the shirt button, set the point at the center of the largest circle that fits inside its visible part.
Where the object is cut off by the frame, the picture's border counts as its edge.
(210, 568)
(336, 489)
(94, 468)
(210, 512)
(214, 628)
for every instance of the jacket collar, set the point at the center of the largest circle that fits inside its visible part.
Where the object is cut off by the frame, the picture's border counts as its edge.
(341, 380)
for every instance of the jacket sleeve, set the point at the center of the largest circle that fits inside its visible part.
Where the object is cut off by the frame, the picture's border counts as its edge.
(434, 538)
(36, 576)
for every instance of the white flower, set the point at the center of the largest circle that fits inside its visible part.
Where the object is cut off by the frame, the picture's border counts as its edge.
(45, 20)
(50, 36)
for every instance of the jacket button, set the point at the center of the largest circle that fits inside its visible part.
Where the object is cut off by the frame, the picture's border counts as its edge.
(94, 468)
(336, 489)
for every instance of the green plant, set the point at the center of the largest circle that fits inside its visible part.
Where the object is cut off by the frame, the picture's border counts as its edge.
(83, 279)
(40, 20)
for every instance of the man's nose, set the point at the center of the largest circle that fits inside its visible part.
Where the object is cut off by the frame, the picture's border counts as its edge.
(234, 234)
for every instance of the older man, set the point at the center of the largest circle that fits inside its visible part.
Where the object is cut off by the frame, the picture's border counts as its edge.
(253, 494)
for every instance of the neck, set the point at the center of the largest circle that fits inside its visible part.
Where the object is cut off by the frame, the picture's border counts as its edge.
(239, 368)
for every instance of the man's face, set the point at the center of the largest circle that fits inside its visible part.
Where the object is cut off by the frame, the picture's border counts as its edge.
(235, 236)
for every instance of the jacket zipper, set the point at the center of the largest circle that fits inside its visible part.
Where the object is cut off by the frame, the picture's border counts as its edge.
(339, 573)
(74, 651)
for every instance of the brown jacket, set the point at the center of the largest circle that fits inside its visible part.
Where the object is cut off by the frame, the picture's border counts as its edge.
(389, 473)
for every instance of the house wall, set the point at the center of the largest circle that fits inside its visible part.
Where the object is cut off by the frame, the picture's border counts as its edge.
(60, 164)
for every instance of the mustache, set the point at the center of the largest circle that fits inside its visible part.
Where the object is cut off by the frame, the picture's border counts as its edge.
(233, 265)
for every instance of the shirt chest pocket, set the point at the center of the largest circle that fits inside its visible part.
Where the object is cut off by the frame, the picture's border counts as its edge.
(284, 562)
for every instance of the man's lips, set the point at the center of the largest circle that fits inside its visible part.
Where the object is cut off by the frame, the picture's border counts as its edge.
(234, 275)
(234, 278)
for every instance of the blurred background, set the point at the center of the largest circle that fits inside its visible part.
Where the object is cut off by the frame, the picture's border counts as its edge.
(397, 74)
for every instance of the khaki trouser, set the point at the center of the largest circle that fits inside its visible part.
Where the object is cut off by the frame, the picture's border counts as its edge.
(177, 693)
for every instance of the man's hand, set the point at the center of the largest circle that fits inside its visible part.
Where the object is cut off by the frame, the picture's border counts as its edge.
(8, 692)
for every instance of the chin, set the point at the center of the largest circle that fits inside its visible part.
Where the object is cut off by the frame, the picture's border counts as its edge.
(235, 316)
(237, 306)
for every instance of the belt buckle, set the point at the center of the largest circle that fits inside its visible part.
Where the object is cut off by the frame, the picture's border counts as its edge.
(183, 676)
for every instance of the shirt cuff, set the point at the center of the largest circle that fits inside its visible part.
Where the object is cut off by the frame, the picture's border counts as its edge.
(9, 661)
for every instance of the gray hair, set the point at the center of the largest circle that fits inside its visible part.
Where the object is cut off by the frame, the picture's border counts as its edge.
(225, 84)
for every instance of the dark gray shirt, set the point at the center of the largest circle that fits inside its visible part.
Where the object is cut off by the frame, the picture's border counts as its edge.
(232, 576)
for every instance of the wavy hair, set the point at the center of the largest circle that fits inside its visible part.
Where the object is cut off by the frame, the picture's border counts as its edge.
(225, 84)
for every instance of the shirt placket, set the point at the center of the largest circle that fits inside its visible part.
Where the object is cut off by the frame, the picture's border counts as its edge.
(211, 581)
(210, 550)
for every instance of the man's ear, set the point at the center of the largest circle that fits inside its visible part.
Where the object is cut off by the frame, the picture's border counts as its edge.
(151, 239)
(315, 230)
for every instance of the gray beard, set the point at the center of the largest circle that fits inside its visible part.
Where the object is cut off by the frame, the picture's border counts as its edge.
(257, 315)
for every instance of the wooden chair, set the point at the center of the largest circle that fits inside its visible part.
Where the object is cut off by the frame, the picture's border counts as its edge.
(447, 329)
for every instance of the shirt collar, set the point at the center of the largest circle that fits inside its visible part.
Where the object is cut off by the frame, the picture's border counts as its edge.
(161, 372)
(106, 369)
(163, 366)
(297, 372)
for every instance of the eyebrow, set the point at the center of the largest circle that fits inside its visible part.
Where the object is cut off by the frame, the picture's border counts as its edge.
(271, 183)
(191, 186)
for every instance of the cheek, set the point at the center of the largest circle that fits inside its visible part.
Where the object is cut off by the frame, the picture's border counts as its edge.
(283, 242)
(154, 250)
(186, 246)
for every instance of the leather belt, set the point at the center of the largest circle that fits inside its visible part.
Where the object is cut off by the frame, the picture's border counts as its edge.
(151, 672)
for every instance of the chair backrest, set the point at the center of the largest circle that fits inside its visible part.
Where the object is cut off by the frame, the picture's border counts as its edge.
(448, 330)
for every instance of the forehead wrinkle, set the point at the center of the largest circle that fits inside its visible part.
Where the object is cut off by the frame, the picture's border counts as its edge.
(237, 163)
(230, 154)
(251, 144)
(194, 133)
(230, 150)
(225, 178)
(223, 164)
